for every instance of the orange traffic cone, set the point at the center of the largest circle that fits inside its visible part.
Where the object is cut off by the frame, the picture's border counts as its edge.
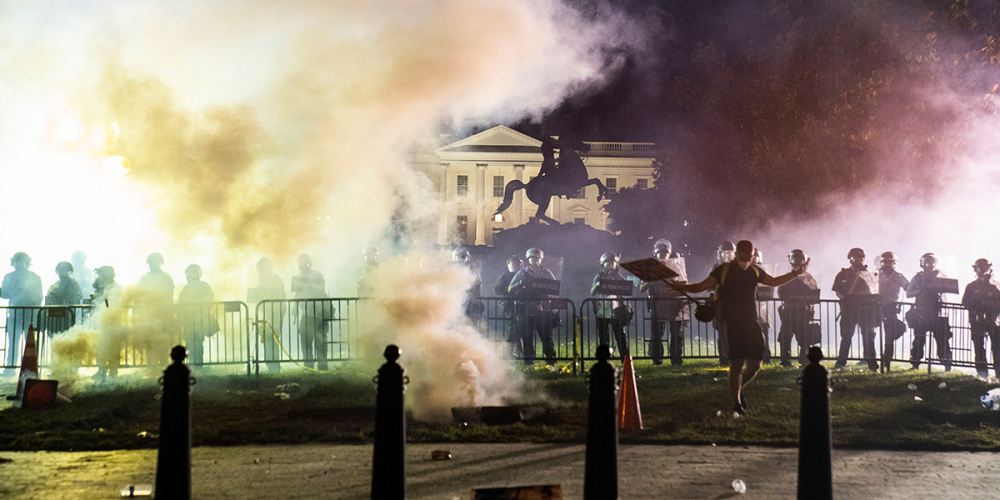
(629, 416)
(29, 363)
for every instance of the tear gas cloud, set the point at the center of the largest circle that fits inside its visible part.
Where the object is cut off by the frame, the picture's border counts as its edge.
(256, 128)
(220, 132)
(826, 126)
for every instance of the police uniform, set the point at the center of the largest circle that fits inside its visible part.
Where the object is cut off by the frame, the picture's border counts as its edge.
(198, 319)
(890, 283)
(538, 315)
(857, 289)
(65, 292)
(513, 320)
(22, 288)
(611, 313)
(924, 317)
(668, 309)
(982, 298)
(796, 317)
(312, 325)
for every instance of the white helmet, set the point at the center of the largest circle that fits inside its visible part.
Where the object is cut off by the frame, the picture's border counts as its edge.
(610, 256)
(664, 246)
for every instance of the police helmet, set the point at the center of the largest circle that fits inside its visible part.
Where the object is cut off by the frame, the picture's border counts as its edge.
(797, 257)
(887, 259)
(534, 252)
(610, 256)
(370, 253)
(856, 253)
(662, 246)
(726, 251)
(304, 259)
(20, 257)
(156, 257)
(106, 272)
(515, 263)
(983, 268)
(460, 254)
(758, 256)
(928, 261)
(193, 269)
(64, 266)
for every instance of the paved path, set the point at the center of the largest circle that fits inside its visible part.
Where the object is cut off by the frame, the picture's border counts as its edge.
(646, 472)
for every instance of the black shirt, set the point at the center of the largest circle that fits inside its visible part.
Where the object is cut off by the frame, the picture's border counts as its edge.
(738, 292)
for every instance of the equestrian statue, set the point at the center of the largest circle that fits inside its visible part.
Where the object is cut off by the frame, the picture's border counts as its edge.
(563, 178)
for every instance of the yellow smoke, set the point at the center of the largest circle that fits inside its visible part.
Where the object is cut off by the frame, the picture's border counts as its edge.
(420, 309)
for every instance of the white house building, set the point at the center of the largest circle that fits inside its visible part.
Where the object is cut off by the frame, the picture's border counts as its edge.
(470, 176)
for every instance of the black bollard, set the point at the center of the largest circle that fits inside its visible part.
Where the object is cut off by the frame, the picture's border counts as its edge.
(600, 480)
(389, 462)
(815, 437)
(173, 462)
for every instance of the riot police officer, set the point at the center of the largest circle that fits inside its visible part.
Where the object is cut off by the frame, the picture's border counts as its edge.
(611, 312)
(797, 312)
(925, 316)
(64, 292)
(539, 317)
(856, 288)
(890, 283)
(513, 320)
(667, 307)
(982, 299)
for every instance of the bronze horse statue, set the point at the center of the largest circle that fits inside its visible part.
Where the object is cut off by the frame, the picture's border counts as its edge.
(564, 178)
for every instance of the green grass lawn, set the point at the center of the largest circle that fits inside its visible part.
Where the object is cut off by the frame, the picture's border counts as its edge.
(679, 405)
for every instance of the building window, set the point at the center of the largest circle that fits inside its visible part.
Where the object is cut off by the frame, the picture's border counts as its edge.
(582, 193)
(463, 185)
(462, 226)
(611, 183)
(498, 186)
(580, 221)
(641, 183)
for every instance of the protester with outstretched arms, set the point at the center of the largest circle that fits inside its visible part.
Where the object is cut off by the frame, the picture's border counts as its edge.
(736, 283)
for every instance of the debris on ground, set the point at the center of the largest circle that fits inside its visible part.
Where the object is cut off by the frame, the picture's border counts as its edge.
(991, 400)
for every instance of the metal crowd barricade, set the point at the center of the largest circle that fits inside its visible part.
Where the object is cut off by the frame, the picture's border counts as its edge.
(701, 340)
(215, 333)
(307, 332)
(16, 322)
(506, 321)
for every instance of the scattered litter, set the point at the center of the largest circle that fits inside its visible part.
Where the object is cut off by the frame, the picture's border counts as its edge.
(440, 455)
(713, 444)
(918, 398)
(718, 413)
(100, 429)
(942, 385)
(137, 490)
(784, 389)
(739, 486)
(991, 400)
(282, 396)
(145, 434)
(716, 379)
(290, 388)
(256, 460)
(911, 387)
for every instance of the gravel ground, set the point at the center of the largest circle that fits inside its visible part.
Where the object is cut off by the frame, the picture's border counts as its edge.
(645, 471)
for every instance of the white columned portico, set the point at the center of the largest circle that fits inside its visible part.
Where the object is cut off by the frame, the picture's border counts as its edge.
(480, 202)
(443, 219)
(518, 218)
